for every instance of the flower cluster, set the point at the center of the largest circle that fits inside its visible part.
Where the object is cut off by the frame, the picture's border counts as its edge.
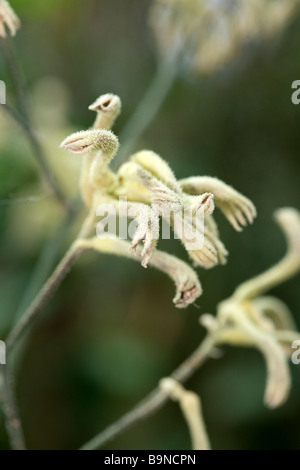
(152, 191)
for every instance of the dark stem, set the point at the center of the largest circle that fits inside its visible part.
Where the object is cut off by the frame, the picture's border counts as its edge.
(147, 109)
(10, 408)
(42, 297)
(25, 120)
(13, 421)
(155, 400)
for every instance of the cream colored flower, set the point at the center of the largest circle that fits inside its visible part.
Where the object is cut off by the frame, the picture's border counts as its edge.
(101, 140)
(152, 191)
(248, 318)
(188, 287)
(108, 108)
(170, 197)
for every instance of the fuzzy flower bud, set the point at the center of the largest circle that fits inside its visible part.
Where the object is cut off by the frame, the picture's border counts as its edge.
(108, 108)
(91, 140)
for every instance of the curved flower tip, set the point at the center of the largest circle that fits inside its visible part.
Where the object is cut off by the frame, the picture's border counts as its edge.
(188, 287)
(108, 108)
(206, 202)
(278, 379)
(238, 209)
(288, 219)
(187, 293)
(91, 140)
(8, 18)
(107, 103)
(275, 312)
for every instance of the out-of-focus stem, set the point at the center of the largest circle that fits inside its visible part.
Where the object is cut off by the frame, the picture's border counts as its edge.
(50, 286)
(43, 296)
(289, 221)
(191, 408)
(155, 400)
(13, 421)
(24, 121)
(147, 109)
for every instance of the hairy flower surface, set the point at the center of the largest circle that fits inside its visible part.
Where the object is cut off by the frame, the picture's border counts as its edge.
(171, 197)
(151, 191)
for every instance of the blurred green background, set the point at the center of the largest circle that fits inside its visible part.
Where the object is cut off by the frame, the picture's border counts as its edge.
(111, 331)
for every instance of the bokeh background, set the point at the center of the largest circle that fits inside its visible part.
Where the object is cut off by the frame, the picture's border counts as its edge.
(111, 331)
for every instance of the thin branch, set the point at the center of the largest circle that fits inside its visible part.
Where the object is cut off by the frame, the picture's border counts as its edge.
(49, 287)
(155, 400)
(13, 422)
(40, 157)
(191, 408)
(43, 297)
(22, 200)
(147, 109)
(24, 121)
(43, 267)
(17, 76)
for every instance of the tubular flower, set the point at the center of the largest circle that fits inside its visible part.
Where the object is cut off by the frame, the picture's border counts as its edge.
(145, 189)
(249, 318)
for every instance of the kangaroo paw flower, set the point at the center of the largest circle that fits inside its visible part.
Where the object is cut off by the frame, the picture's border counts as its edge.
(108, 108)
(147, 231)
(238, 209)
(188, 287)
(91, 140)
